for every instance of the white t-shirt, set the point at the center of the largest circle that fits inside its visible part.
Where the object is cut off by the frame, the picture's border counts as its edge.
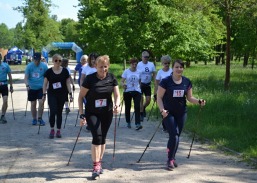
(88, 70)
(163, 74)
(132, 80)
(146, 71)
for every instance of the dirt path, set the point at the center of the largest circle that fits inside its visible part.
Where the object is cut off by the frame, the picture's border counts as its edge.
(29, 157)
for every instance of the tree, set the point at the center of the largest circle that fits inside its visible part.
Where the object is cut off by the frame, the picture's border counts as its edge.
(6, 36)
(39, 28)
(184, 29)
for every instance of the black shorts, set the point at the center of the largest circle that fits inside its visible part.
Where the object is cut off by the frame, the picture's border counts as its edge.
(146, 89)
(35, 94)
(4, 90)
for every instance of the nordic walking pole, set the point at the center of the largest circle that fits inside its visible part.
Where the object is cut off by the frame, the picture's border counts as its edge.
(151, 111)
(113, 155)
(42, 115)
(12, 107)
(74, 145)
(132, 116)
(77, 118)
(195, 130)
(120, 111)
(150, 141)
(65, 120)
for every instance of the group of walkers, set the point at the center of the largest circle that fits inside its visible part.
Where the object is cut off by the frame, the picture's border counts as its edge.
(97, 86)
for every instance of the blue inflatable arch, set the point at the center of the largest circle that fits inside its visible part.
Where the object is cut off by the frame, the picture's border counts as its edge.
(62, 45)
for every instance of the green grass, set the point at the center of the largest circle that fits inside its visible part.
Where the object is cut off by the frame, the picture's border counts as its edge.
(229, 117)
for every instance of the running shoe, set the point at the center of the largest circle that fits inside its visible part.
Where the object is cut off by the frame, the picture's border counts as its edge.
(41, 122)
(170, 164)
(138, 127)
(51, 135)
(58, 134)
(3, 120)
(34, 122)
(96, 171)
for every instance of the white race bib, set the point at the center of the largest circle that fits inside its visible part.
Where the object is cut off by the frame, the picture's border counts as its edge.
(57, 85)
(100, 103)
(178, 93)
(35, 75)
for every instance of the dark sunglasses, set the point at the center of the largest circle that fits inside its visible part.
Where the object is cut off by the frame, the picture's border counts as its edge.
(166, 63)
(146, 56)
(57, 60)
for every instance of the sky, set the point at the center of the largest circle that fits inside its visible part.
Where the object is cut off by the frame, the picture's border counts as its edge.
(63, 9)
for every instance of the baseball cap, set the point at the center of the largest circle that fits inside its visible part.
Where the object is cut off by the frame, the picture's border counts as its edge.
(37, 56)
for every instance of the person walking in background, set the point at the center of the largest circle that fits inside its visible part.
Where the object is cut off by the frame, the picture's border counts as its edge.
(172, 94)
(98, 89)
(5, 71)
(90, 67)
(79, 67)
(64, 64)
(148, 71)
(131, 85)
(34, 79)
(57, 79)
(164, 72)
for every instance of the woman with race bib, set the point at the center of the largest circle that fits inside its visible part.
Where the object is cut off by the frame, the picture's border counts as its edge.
(172, 95)
(57, 79)
(98, 89)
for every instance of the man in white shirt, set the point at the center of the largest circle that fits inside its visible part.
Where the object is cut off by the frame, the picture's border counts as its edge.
(148, 71)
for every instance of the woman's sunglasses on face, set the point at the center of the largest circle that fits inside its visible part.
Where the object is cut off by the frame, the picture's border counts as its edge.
(166, 63)
(58, 61)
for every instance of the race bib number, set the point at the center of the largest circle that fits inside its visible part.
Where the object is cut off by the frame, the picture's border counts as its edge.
(100, 103)
(178, 93)
(1, 83)
(57, 85)
(35, 75)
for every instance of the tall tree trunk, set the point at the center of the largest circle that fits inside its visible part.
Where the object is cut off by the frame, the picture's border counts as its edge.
(246, 58)
(228, 26)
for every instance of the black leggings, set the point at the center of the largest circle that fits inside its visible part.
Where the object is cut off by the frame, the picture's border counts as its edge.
(55, 103)
(99, 125)
(127, 99)
(174, 126)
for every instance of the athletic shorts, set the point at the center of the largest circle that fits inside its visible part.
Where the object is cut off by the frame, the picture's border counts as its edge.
(33, 95)
(146, 89)
(4, 90)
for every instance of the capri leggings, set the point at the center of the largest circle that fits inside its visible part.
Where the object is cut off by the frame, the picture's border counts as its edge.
(56, 103)
(99, 125)
(174, 126)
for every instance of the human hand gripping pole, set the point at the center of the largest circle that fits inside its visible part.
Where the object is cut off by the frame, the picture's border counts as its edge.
(201, 104)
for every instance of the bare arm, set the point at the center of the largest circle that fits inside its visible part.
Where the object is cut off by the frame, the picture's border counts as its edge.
(10, 81)
(194, 100)
(116, 93)
(82, 93)
(74, 75)
(156, 86)
(82, 78)
(160, 93)
(45, 84)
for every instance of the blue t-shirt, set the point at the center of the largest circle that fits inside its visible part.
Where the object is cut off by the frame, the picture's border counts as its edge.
(4, 70)
(174, 99)
(79, 69)
(36, 75)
